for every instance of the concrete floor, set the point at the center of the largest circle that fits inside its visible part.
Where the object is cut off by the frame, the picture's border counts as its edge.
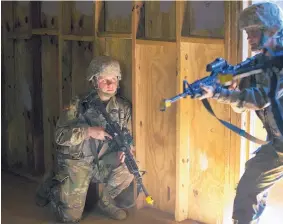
(18, 207)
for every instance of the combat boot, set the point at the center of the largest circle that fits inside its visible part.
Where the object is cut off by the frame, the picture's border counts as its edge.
(107, 206)
(42, 196)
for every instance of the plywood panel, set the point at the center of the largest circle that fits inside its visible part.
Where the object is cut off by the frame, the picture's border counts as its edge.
(49, 14)
(37, 122)
(210, 25)
(77, 17)
(22, 18)
(82, 18)
(50, 96)
(118, 16)
(24, 71)
(9, 82)
(122, 51)
(160, 20)
(66, 73)
(207, 139)
(81, 56)
(155, 79)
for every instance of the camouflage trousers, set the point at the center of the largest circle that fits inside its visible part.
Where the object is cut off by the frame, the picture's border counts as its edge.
(73, 177)
(262, 172)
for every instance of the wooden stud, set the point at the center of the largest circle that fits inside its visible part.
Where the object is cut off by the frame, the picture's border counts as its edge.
(114, 35)
(182, 151)
(234, 160)
(60, 53)
(99, 43)
(140, 153)
(77, 38)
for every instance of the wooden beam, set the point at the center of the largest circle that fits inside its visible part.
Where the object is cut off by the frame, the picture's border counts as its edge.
(182, 150)
(60, 53)
(203, 40)
(99, 26)
(154, 42)
(114, 35)
(137, 125)
(234, 160)
(78, 38)
(45, 31)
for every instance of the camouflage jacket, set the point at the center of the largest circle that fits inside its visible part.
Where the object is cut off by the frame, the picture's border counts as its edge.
(252, 94)
(71, 128)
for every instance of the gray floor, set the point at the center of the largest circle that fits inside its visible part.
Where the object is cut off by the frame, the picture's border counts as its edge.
(18, 207)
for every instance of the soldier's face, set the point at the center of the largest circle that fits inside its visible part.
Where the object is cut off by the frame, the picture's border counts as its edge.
(254, 37)
(108, 84)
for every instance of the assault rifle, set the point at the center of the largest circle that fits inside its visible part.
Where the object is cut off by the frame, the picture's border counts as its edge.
(223, 73)
(122, 139)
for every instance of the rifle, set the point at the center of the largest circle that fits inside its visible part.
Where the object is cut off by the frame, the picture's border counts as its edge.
(122, 139)
(223, 73)
(220, 71)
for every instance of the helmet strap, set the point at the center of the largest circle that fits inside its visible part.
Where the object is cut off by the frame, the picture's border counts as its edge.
(263, 39)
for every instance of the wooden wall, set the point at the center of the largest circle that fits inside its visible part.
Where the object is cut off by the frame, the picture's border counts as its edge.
(192, 162)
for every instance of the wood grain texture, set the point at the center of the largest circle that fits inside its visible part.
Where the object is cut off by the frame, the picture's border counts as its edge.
(160, 20)
(49, 14)
(196, 24)
(50, 95)
(182, 152)
(82, 18)
(118, 16)
(121, 50)
(81, 56)
(155, 79)
(66, 73)
(22, 17)
(8, 80)
(206, 139)
(235, 160)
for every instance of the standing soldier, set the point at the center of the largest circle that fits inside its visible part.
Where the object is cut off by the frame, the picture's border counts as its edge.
(81, 160)
(262, 93)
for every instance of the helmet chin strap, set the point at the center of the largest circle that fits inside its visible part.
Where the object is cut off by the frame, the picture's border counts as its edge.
(264, 38)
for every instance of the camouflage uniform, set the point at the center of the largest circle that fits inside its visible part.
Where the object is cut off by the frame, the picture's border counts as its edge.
(266, 167)
(77, 166)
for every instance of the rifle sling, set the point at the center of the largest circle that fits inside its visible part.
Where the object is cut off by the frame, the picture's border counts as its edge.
(232, 127)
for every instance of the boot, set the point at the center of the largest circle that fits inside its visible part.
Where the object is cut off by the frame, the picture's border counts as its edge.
(42, 196)
(107, 206)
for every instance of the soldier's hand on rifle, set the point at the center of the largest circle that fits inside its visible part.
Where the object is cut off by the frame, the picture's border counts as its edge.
(233, 86)
(208, 91)
(132, 150)
(121, 156)
(98, 133)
